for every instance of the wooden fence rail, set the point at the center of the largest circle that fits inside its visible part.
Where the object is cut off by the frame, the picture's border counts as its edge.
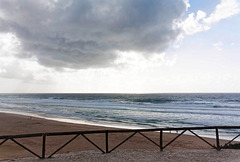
(107, 132)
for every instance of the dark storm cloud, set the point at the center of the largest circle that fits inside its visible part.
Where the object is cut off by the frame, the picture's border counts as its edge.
(86, 33)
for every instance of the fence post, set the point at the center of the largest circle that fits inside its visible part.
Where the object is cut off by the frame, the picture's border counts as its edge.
(106, 139)
(161, 142)
(43, 146)
(217, 140)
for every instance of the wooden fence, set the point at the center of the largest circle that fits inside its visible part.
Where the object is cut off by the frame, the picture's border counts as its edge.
(106, 139)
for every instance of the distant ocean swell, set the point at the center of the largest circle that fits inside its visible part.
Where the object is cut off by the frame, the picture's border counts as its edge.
(131, 110)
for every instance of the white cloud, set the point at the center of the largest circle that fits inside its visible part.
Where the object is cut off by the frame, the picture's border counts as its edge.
(132, 61)
(194, 24)
(218, 46)
(18, 68)
(3, 71)
(9, 44)
(232, 43)
(225, 9)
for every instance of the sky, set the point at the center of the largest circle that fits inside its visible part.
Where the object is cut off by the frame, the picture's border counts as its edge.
(112, 46)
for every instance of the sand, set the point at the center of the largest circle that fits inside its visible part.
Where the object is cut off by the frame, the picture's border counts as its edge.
(143, 155)
(11, 124)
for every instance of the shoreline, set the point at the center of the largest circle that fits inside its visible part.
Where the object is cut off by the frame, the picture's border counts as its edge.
(65, 119)
(75, 120)
(19, 124)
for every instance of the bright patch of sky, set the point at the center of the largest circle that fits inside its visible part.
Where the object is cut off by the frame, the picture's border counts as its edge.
(194, 48)
(204, 5)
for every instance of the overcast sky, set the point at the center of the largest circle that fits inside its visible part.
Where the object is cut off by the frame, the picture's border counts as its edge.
(112, 46)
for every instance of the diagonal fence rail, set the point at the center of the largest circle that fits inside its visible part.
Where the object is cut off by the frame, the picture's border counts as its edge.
(107, 132)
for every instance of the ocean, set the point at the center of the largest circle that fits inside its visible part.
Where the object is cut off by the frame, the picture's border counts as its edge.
(132, 110)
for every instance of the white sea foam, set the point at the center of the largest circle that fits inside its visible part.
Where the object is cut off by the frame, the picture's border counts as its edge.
(129, 111)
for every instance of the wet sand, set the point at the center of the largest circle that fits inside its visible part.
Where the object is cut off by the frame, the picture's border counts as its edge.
(11, 124)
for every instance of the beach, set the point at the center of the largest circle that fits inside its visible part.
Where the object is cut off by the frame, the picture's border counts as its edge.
(143, 155)
(121, 80)
(12, 124)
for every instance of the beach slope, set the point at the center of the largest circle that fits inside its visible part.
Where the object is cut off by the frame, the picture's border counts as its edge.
(12, 124)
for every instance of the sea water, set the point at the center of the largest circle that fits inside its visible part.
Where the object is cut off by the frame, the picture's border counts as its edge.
(132, 110)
